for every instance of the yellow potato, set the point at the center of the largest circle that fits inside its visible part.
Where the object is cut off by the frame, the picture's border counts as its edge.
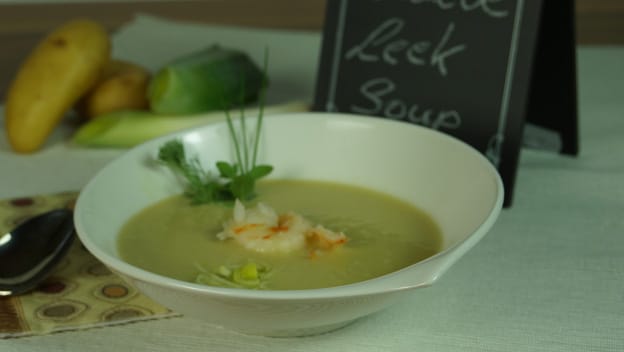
(123, 86)
(59, 70)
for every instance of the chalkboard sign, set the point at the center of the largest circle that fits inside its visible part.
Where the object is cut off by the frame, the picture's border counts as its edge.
(463, 67)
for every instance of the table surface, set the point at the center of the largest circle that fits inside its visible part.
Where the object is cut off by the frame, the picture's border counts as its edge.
(548, 277)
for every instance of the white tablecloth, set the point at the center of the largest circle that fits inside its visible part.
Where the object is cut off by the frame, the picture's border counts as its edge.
(548, 277)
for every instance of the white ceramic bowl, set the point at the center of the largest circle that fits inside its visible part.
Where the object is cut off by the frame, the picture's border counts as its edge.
(447, 178)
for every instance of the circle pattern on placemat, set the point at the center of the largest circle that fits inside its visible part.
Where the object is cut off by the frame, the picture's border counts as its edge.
(22, 202)
(55, 286)
(114, 292)
(61, 310)
(125, 312)
(98, 269)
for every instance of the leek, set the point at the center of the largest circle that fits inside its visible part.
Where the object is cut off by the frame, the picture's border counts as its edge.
(206, 80)
(123, 129)
(250, 276)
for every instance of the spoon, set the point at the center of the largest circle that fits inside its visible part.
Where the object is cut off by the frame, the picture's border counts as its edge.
(32, 250)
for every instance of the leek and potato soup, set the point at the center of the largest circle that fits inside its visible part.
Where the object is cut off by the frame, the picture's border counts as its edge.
(294, 235)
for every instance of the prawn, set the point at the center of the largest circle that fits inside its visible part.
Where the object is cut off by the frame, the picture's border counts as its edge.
(261, 229)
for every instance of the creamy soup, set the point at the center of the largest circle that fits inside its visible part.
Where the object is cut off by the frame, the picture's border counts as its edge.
(176, 239)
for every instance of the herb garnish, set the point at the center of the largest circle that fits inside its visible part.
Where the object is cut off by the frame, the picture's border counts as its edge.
(235, 180)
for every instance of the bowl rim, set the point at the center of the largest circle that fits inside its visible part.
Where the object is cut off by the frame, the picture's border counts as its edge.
(367, 287)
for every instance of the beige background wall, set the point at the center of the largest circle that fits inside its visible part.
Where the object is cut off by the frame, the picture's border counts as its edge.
(22, 24)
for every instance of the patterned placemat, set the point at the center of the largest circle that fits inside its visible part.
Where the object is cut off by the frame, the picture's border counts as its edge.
(81, 293)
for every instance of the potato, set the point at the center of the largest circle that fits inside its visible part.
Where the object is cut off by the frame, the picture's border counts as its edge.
(122, 86)
(59, 70)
